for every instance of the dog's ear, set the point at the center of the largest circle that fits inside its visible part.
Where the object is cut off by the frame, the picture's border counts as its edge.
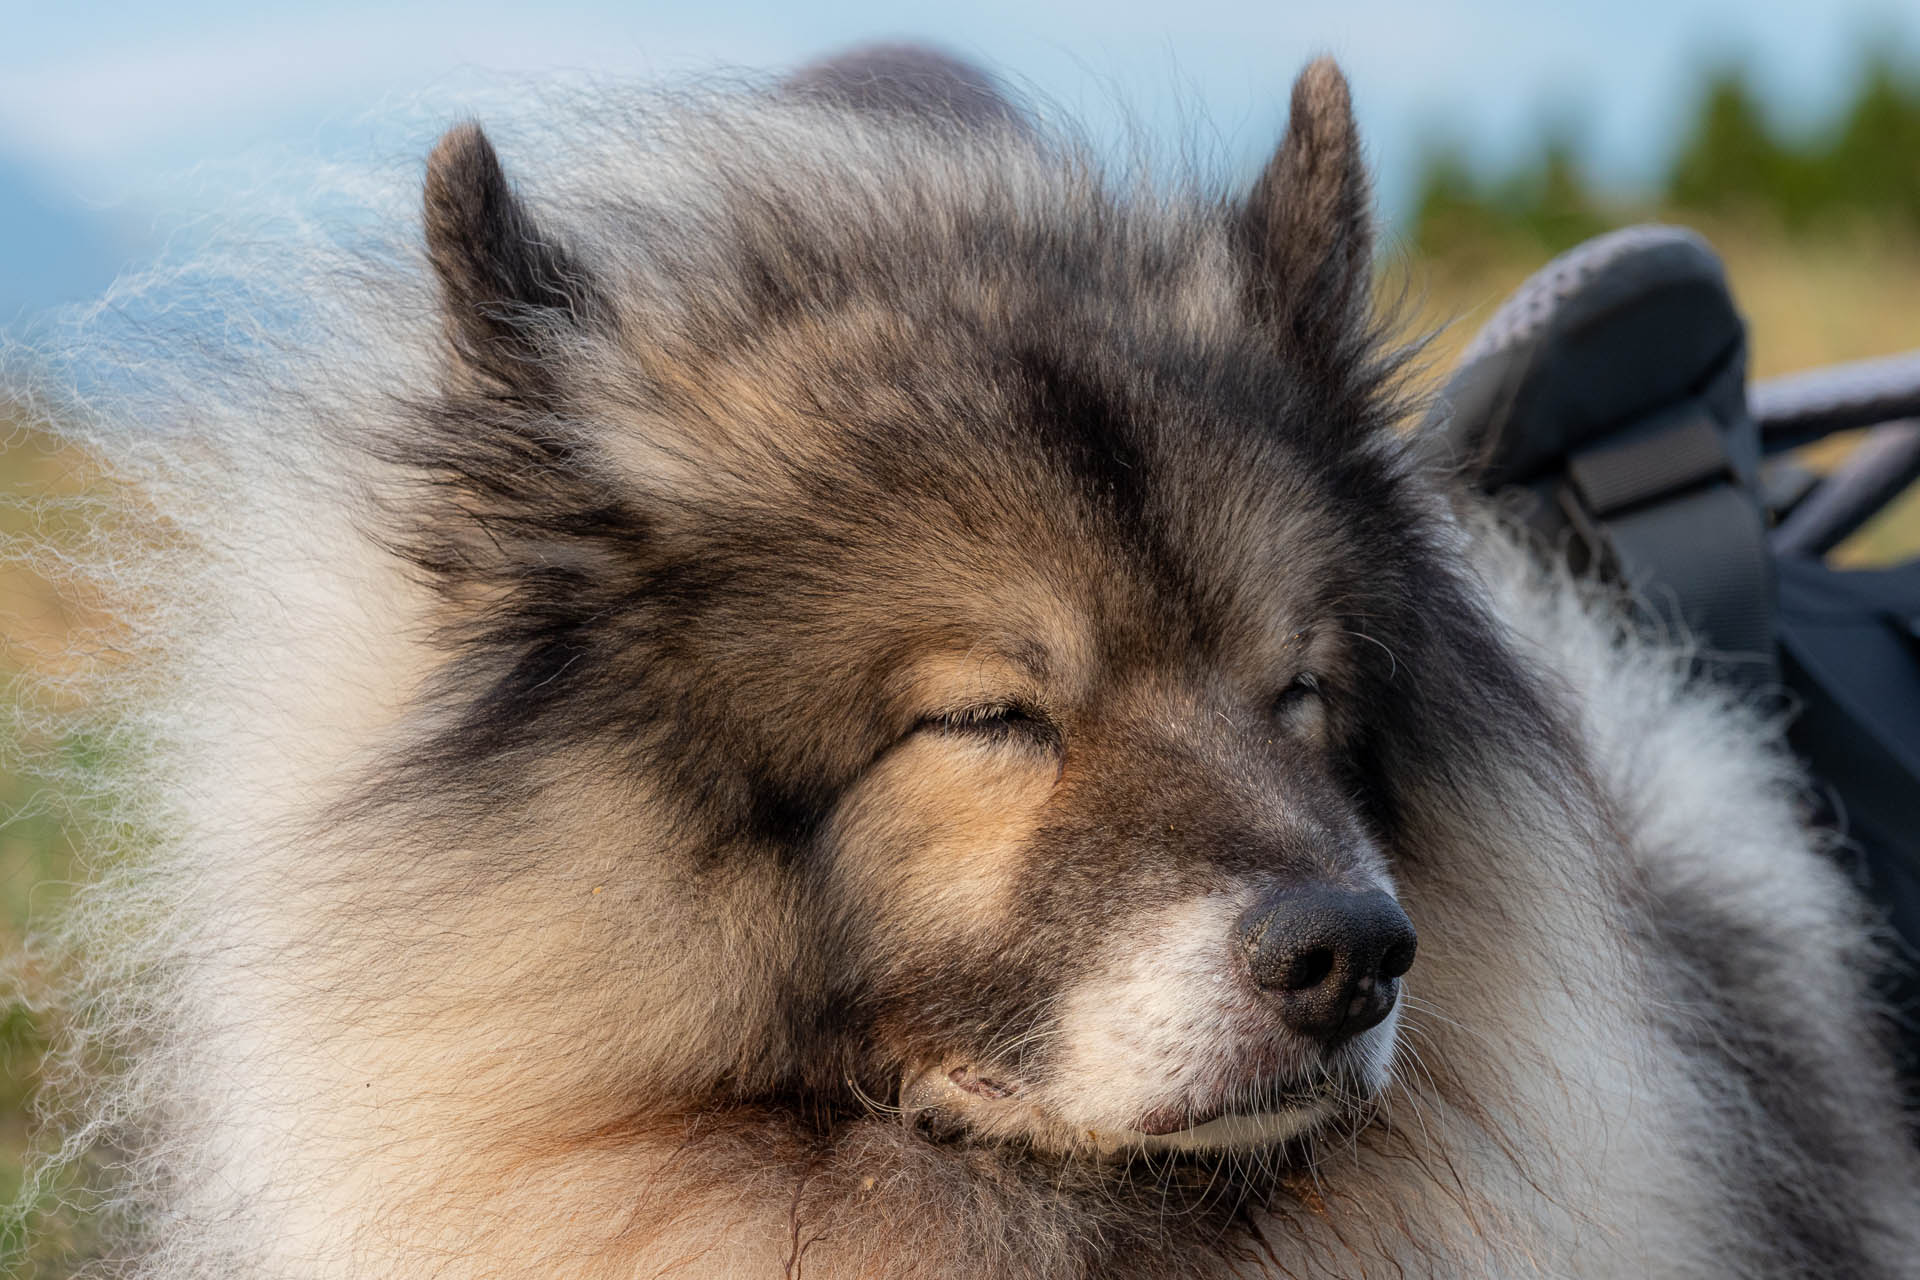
(511, 291)
(1307, 227)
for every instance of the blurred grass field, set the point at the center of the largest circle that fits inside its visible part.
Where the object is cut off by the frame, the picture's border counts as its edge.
(1815, 289)
(37, 857)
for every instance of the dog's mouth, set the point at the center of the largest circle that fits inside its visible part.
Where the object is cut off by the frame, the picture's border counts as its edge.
(1268, 1126)
(996, 1106)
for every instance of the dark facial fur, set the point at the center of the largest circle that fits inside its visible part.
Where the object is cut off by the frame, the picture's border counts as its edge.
(989, 576)
(856, 616)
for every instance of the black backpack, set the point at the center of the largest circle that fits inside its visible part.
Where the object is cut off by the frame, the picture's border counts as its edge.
(1607, 404)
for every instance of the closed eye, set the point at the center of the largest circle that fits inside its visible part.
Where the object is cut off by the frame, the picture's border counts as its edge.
(996, 722)
(1301, 694)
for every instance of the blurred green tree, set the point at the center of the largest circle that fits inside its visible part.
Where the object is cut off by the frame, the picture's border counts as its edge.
(1730, 161)
(1871, 166)
(1547, 201)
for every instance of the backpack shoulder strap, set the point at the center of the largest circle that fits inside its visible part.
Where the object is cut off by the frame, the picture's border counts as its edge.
(1610, 392)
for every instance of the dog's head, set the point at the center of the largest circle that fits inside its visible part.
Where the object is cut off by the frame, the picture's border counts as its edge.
(978, 627)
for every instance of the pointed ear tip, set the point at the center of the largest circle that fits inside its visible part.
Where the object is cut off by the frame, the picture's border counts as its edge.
(463, 139)
(1322, 88)
(1324, 71)
(463, 153)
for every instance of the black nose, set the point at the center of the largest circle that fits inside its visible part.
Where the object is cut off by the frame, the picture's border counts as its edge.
(1331, 958)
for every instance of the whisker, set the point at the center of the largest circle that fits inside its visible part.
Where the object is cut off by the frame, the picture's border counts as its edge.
(874, 1104)
(1394, 668)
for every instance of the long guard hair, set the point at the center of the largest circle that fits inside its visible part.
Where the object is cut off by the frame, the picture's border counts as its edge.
(499, 605)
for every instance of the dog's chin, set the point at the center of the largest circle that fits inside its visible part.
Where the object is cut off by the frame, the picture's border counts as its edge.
(956, 1101)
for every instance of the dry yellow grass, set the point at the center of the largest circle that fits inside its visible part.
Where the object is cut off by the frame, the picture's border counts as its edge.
(1807, 303)
(35, 859)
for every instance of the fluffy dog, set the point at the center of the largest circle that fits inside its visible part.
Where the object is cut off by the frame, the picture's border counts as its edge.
(827, 689)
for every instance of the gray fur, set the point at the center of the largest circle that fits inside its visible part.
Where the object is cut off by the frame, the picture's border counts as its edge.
(632, 671)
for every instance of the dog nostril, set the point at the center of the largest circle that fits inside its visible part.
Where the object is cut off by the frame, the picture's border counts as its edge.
(1309, 969)
(1398, 959)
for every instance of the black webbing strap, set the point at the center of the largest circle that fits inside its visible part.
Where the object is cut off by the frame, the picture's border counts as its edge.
(1664, 501)
(1612, 388)
(1675, 449)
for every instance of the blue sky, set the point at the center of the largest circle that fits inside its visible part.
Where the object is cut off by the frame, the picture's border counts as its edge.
(120, 123)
